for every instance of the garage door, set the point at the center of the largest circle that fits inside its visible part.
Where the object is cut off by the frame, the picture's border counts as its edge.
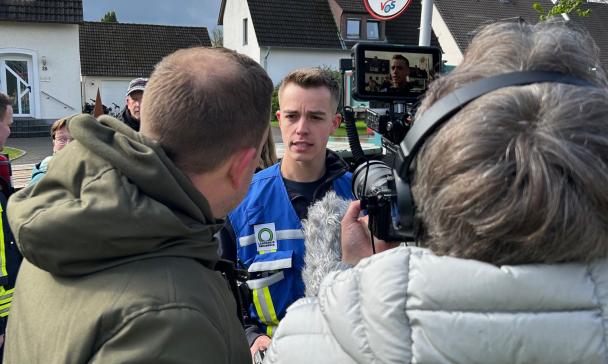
(113, 94)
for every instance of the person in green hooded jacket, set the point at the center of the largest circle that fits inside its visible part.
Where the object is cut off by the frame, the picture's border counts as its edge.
(118, 238)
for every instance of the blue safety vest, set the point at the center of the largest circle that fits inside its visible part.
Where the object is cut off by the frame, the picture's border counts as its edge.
(270, 244)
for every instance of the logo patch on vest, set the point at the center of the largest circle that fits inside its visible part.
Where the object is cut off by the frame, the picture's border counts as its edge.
(265, 237)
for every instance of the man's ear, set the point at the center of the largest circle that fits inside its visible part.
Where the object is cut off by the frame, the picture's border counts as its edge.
(240, 165)
(335, 122)
(278, 114)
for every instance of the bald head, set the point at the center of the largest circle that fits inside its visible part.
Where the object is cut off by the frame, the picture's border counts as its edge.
(199, 100)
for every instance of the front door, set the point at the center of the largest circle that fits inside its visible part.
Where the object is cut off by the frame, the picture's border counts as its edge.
(15, 81)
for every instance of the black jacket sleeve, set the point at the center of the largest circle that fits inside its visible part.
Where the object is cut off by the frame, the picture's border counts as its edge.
(228, 243)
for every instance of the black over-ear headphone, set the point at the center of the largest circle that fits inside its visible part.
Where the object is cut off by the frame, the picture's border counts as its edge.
(443, 110)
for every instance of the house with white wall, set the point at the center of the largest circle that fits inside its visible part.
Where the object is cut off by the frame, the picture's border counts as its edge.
(40, 61)
(112, 54)
(284, 35)
(52, 62)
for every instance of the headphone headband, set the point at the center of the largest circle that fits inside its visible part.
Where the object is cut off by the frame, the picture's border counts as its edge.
(450, 104)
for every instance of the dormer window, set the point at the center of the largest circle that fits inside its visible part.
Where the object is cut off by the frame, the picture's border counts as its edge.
(357, 27)
(353, 27)
(373, 30)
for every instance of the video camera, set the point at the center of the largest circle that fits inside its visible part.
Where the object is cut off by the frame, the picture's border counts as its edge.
(393, 78)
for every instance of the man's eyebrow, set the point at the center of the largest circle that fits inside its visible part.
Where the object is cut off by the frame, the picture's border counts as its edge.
(316, 112)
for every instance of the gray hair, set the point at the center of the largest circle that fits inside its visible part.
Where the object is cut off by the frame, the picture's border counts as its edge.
(518, 175)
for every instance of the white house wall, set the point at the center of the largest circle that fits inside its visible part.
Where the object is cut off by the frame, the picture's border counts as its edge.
(111, 89)
(59, 86)
(234, 13)
(452, 54)
(281, 61)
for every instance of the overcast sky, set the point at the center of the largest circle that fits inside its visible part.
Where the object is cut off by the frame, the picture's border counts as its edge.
(168, 12)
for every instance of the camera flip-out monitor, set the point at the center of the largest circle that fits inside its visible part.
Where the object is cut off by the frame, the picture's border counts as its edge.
(393, 72)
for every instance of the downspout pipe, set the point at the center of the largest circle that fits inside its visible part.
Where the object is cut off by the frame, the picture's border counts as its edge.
(265, 65)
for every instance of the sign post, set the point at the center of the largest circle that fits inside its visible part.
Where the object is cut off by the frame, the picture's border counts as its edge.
(425, 23)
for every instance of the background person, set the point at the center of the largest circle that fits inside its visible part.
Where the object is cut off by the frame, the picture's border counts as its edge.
(279, 197)
(60, 136)
(11, 258)
(510, 192)
(130, 115)
(118, 236)
(268, 157)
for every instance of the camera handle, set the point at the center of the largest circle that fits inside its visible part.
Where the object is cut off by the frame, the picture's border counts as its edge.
(353, 136)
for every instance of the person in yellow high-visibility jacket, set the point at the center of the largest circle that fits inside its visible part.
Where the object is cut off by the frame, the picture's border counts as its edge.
(10, 258)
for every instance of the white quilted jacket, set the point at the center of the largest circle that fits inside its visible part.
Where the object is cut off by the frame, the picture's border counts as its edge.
(409, 306)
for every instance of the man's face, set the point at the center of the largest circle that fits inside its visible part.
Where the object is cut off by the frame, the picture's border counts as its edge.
(307, 116)
(399, 72)
(62, 138)
(5, 125)
(134, 103)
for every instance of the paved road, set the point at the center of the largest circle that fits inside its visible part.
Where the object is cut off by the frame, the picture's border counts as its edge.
(38, 148)
(35, 149)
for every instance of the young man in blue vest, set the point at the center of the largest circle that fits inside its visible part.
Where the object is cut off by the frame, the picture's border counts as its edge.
(264, 232)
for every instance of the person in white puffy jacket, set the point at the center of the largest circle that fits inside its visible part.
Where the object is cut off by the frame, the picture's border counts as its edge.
(512, 201)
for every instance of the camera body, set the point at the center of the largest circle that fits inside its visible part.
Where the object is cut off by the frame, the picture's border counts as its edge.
(393, 78)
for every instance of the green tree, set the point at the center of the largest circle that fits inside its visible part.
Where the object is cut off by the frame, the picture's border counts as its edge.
(110, 17)
(562, 7)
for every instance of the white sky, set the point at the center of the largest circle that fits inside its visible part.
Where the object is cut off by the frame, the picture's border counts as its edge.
(168, 12)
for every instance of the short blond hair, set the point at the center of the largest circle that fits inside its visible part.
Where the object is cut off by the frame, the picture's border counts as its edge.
(310, 78)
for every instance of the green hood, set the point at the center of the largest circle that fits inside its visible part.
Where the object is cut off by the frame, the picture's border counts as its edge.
(110, 197)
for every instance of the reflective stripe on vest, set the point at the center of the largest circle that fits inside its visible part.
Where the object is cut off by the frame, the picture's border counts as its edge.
(265, 309)
(281, 235)
(4, 310)
(6, 298)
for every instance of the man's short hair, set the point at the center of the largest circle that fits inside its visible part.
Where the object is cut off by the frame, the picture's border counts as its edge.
(204, 104)
(401, 58)
(5, 102)
(313, 77)
(519, 175)
(59, 124)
